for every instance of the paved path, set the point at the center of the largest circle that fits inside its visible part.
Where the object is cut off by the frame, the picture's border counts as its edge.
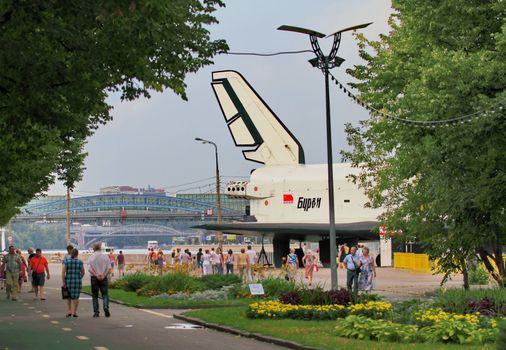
(35, 324)
(394, 284)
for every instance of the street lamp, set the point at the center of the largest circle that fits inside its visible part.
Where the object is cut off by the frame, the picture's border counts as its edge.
(218, 199)
(325, 63)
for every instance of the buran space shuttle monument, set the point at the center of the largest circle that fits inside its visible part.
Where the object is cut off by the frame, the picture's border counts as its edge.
(288, 198)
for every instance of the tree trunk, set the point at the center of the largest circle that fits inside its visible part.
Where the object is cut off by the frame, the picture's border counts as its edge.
(500, 266)
(465, 273)
(484, 257)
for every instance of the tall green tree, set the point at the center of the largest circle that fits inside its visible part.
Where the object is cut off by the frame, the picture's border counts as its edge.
(444, 185)
(60, 59)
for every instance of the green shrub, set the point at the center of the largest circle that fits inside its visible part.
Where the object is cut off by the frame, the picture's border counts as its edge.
(174, 282)
(363, 328)
(274, 286)
(238, 291)
(147, 285)
(462, 301)
(501, 338)
(133, 282)
(404, 311)
(458, 331)
(365, 297)
(445, 331)
(478, 275)
(315, 296)
(217, 281)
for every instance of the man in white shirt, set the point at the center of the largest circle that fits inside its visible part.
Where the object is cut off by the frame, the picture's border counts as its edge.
(252, 260)
(99, 267)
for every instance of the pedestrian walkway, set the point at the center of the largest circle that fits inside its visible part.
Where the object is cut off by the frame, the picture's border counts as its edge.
(392, 283)
(34, 324)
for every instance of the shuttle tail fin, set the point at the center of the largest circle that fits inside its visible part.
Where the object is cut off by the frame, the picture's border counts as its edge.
(253, 124)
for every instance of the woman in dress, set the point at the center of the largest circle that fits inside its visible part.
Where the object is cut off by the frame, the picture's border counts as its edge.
(206, 263)
(309, 261)
(72, 275)
(368, 271)
(292, 262)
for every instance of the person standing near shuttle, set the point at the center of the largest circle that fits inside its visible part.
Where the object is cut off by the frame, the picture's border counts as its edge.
(252, 260)
(365, 280)
(309, 261)
(292, 262)
(352, 263)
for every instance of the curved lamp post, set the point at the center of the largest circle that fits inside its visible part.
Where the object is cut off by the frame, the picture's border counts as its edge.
(218, 196)
(324, 63)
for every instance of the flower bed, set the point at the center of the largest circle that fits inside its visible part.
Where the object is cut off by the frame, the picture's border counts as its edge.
(315, 296)
(461, 329)
(209, 294)
(372, 320)
(371, 309)
(490, 302)
(431, 316)
(451, 330)
(277, 309)
(172, 283)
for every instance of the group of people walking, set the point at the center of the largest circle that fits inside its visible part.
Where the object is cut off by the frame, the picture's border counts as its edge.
(36, 269)
(116, 260)
(100, 268)
(360, 267)
(309, 260)
(16, 270)
(217, 262)
(206, 261)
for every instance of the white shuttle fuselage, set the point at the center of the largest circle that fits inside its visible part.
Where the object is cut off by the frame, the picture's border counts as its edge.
(299, 194)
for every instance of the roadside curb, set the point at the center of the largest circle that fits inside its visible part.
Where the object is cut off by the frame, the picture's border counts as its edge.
(256, 336)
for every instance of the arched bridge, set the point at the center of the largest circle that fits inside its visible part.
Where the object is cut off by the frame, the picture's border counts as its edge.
(125, 206)
(89, 235)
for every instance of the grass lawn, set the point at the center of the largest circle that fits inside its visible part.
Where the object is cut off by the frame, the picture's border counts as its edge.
(310, 333)
(132, 299)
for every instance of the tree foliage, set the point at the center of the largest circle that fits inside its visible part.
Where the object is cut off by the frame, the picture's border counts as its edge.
(446, 185)
(59, 61)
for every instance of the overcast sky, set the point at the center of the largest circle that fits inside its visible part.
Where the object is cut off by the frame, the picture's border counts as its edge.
(151, 141)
